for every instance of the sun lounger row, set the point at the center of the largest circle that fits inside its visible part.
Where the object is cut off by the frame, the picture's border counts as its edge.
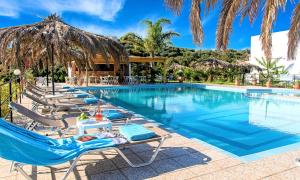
(25, 147)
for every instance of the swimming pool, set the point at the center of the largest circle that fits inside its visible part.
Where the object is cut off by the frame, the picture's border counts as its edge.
(246, 126)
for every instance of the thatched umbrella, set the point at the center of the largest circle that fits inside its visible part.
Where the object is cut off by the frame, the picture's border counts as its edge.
(176, 66)
(246, 67)
(54, 40)
(210, 65)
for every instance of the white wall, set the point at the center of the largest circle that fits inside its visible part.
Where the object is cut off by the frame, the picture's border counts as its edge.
(279, 50)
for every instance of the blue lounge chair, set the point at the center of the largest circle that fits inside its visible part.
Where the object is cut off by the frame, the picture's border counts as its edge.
(25, 147)
(54, 106)
(65, 123)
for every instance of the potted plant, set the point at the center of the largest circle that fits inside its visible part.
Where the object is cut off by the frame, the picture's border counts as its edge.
(180, 76)
(237, 81)
(297, 84)
(269, 83)
(254, 80)
(81, 81)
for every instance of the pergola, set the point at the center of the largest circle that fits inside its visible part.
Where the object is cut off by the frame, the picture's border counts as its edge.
(98, 60)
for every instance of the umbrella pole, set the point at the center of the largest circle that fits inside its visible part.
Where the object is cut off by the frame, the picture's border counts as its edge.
(86, 75)
(52, 61)
(47, 72)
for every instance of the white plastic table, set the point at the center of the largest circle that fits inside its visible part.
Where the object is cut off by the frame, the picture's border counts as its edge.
(91, 124)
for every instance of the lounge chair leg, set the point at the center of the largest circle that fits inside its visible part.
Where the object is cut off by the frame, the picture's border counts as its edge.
(18, 168)
(63, 133)
(31, 125)
(146, 163)
(12, 166)
(71, 168)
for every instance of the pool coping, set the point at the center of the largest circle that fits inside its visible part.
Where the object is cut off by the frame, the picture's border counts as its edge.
(246, 158)
(241, 89)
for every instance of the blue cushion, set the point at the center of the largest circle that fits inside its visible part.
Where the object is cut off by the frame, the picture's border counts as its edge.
(92, 100)
(71, 90)
(66, 87)
(113, 114)
(81, 95)
(136, 132)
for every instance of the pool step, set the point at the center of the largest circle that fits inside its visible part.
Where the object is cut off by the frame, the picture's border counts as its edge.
(262, 138)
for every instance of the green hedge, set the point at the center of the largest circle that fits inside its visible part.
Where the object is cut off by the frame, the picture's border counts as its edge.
(4, 92)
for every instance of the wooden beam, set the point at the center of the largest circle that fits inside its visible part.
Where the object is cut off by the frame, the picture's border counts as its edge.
(99, 60)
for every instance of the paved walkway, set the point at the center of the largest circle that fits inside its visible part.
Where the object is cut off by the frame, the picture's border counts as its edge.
(180, 158)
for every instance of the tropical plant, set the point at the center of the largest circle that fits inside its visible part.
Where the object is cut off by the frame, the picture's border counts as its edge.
(4, 93)
(234, 8)
(155, 40)
(179, 73)
(187, 73)
(28, 75)
(134, 44)
(269, 67)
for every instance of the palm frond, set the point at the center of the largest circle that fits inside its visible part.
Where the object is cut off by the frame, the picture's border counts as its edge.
(210, 4)
(228, 13)
(270, 14)
(162, 21)
(30, 42)
(169, 35)
(294, 33)
(195, 22)
(175, 5)
(147, 22)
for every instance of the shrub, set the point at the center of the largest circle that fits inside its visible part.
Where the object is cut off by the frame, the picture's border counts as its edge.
(187, 73)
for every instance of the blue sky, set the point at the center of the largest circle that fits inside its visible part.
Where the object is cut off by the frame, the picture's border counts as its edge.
(116, 17)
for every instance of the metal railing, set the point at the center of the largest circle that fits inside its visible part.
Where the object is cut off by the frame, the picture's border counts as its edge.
(10, 91)
(281, 78)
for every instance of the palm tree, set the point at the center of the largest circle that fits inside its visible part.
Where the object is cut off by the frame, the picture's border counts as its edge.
(269, 67)
(233, 8)
(155, 39)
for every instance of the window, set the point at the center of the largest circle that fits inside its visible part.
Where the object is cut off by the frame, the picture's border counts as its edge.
(104, 67)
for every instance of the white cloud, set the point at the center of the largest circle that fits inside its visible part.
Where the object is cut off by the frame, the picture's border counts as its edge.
(8, 8)
(108, 31)
(104, 9)
(138, 28)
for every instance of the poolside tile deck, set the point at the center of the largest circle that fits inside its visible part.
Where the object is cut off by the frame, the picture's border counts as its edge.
(180, 158)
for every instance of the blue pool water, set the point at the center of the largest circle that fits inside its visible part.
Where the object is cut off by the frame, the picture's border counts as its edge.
(232, 121)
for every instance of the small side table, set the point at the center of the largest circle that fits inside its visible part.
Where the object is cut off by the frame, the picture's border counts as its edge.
(92, 123)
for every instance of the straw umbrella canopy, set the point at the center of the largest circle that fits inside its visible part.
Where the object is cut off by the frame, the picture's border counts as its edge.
(52, 39)
(176, 67)
(246, 67)
(210, 64)
(243, 67)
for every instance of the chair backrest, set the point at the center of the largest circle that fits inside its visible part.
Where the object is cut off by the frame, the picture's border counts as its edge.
(29, 89)
(47, 121)
(37, 100)
(20, 145)
(34, 87)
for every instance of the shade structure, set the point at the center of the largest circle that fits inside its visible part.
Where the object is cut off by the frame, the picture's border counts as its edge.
(210, 64)
(29, 45)
(246, 67)
(176, 67)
